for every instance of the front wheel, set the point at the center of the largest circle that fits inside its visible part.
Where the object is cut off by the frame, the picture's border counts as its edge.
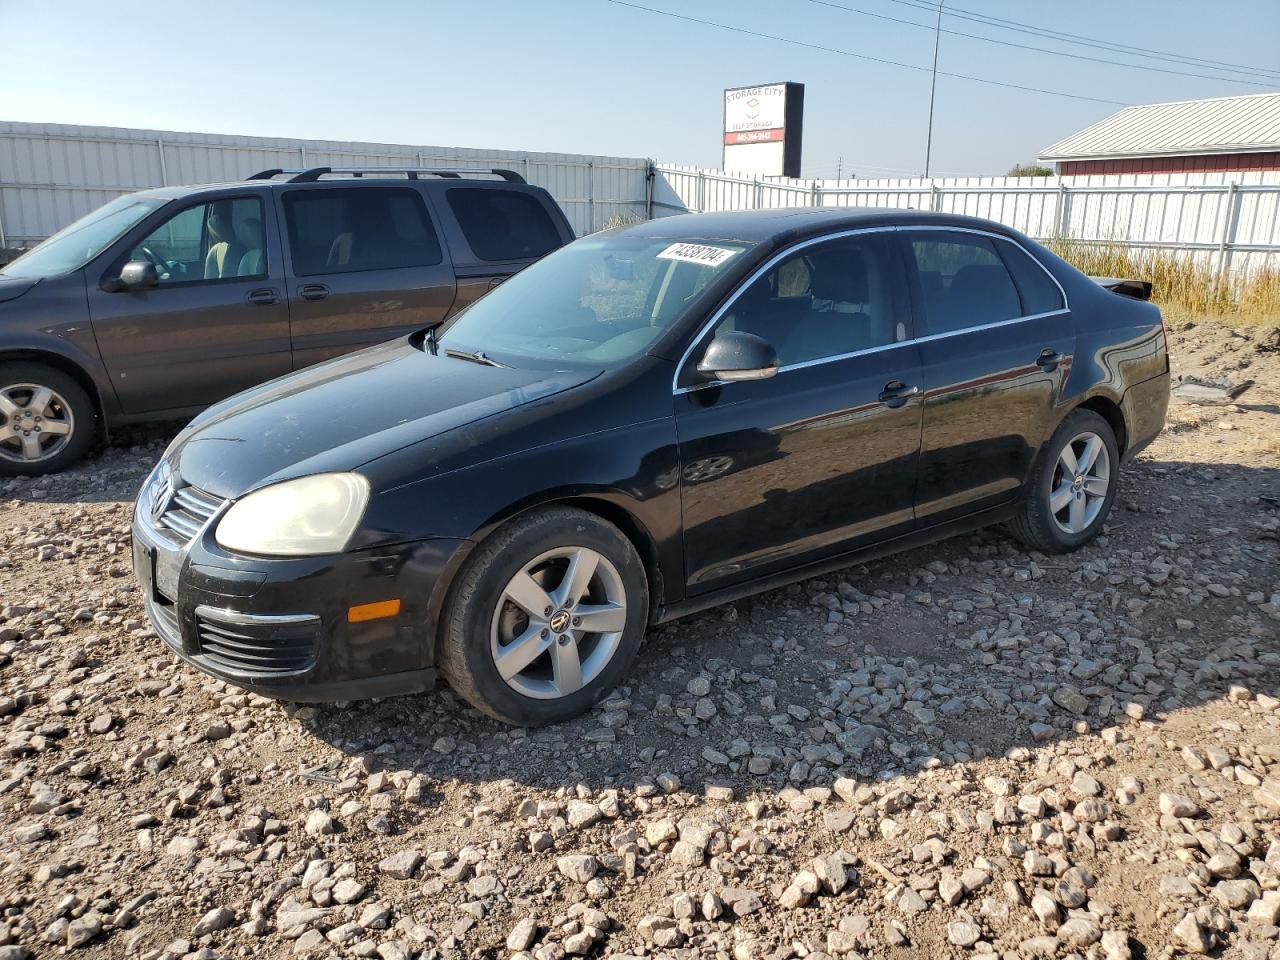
(1072, 487)
(545, 617)
(47, 421)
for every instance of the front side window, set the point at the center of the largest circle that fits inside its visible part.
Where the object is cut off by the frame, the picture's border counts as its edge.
(826, 300)
(503, 224)
(219, 240)
(74, 246)
(599, 301)
(348, 230)
(963, 282)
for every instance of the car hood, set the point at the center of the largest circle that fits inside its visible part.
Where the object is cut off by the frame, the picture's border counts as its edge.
(346, 412)
(11, 288)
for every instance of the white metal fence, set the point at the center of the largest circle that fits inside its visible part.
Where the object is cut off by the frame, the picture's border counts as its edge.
(1230, 220)
(51, 174)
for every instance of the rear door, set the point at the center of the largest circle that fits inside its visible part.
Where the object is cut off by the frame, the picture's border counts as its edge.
(218, 321)
(365, 264)
(495, 231)
(996, 345)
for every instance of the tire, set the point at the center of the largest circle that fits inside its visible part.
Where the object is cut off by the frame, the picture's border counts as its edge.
(67, 406)
(482, 623)
(1042, 527)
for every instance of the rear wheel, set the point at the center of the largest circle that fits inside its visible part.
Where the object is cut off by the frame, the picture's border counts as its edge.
(1072, 486)
(545, 618)
(47, 421)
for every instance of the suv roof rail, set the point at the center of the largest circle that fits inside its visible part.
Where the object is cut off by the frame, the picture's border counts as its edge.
(315, 173)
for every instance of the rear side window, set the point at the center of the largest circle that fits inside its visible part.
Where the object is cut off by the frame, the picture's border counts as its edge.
(503, 224)
(362, 228)
(963, 282)
(1039, 293)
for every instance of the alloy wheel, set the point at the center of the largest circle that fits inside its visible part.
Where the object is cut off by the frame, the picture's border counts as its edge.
(558, 623)
(36, 423)
(1081, 479)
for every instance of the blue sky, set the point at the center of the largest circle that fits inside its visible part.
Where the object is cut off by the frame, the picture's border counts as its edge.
(588, 76)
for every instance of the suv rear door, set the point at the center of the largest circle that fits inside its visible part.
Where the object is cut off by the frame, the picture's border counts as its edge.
(496, 230)
(216, 323)
(366, 264)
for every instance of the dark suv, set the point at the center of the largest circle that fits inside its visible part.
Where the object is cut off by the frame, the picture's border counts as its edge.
(165, 301)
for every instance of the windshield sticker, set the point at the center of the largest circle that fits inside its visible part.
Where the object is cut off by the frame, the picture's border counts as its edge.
(699, 253)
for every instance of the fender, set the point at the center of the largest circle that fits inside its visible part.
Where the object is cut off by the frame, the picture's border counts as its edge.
(70, 356)
(50, 324)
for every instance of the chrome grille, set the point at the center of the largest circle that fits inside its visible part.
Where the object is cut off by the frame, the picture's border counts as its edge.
(188, 511)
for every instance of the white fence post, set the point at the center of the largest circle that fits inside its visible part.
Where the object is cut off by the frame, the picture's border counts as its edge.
(164, 173)
(759, 193)
(1062, 216)
(702, 192)
(934, 197)
(591, 196)
(1228, 227)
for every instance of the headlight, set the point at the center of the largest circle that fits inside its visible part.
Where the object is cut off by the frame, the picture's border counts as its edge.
(310, 515)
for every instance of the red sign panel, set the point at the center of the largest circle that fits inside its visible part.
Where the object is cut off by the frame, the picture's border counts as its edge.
(755, 136)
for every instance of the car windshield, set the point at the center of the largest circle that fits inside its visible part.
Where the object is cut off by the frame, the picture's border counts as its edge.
(74, 246)
(599, 301)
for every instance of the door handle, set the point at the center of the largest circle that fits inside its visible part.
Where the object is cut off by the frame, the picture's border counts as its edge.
(1049, 359)
(896, 393)
(313, 291)
(266, 296)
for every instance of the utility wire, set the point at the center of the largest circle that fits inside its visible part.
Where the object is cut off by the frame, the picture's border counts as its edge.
(861, 56)
(1027, 46)
(960, 13)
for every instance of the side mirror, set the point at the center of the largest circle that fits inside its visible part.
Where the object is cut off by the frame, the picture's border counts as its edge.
(739, 356)
(137, 274)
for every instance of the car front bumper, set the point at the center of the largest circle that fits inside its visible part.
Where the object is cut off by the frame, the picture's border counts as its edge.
(281, 627)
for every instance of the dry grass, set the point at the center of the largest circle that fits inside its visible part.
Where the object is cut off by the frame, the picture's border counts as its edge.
(1182, 286)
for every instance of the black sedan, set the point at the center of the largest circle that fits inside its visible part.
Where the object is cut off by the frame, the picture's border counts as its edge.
(651, 421)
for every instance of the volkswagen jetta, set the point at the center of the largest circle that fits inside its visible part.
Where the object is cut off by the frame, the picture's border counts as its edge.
(648, 422)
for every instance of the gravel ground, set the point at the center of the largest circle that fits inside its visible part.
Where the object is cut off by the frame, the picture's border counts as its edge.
(965, 749)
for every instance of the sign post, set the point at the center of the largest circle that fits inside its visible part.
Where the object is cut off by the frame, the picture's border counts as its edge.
(762, 129)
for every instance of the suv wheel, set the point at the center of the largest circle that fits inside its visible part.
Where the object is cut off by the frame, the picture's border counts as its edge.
(1072, 486)
(47, 421)
(545, 618)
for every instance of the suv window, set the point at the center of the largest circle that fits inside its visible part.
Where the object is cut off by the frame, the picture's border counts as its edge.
(829, 299)
(219, 240)
(346, 230)
(963, 281)
(1039, 293)
(503, 224)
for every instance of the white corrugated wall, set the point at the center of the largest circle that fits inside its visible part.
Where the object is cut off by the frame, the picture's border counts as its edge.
(50, 173)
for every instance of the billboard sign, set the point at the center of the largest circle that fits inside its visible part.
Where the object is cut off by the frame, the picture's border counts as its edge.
(762, 128)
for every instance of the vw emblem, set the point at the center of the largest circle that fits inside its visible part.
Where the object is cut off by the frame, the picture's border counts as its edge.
(161, 491)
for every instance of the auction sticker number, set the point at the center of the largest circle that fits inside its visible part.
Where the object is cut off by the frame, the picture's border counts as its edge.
(700, 253)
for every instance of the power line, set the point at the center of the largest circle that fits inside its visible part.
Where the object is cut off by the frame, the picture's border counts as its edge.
(1027, 46)
(861, 56)
(1111, 46)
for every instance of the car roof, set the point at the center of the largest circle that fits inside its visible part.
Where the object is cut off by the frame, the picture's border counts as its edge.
(789, 223)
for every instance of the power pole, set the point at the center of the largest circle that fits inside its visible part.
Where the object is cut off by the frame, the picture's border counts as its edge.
(933, 89)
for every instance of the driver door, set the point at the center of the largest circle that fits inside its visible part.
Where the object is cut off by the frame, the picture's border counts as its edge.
(820, 458)
(217, 322)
